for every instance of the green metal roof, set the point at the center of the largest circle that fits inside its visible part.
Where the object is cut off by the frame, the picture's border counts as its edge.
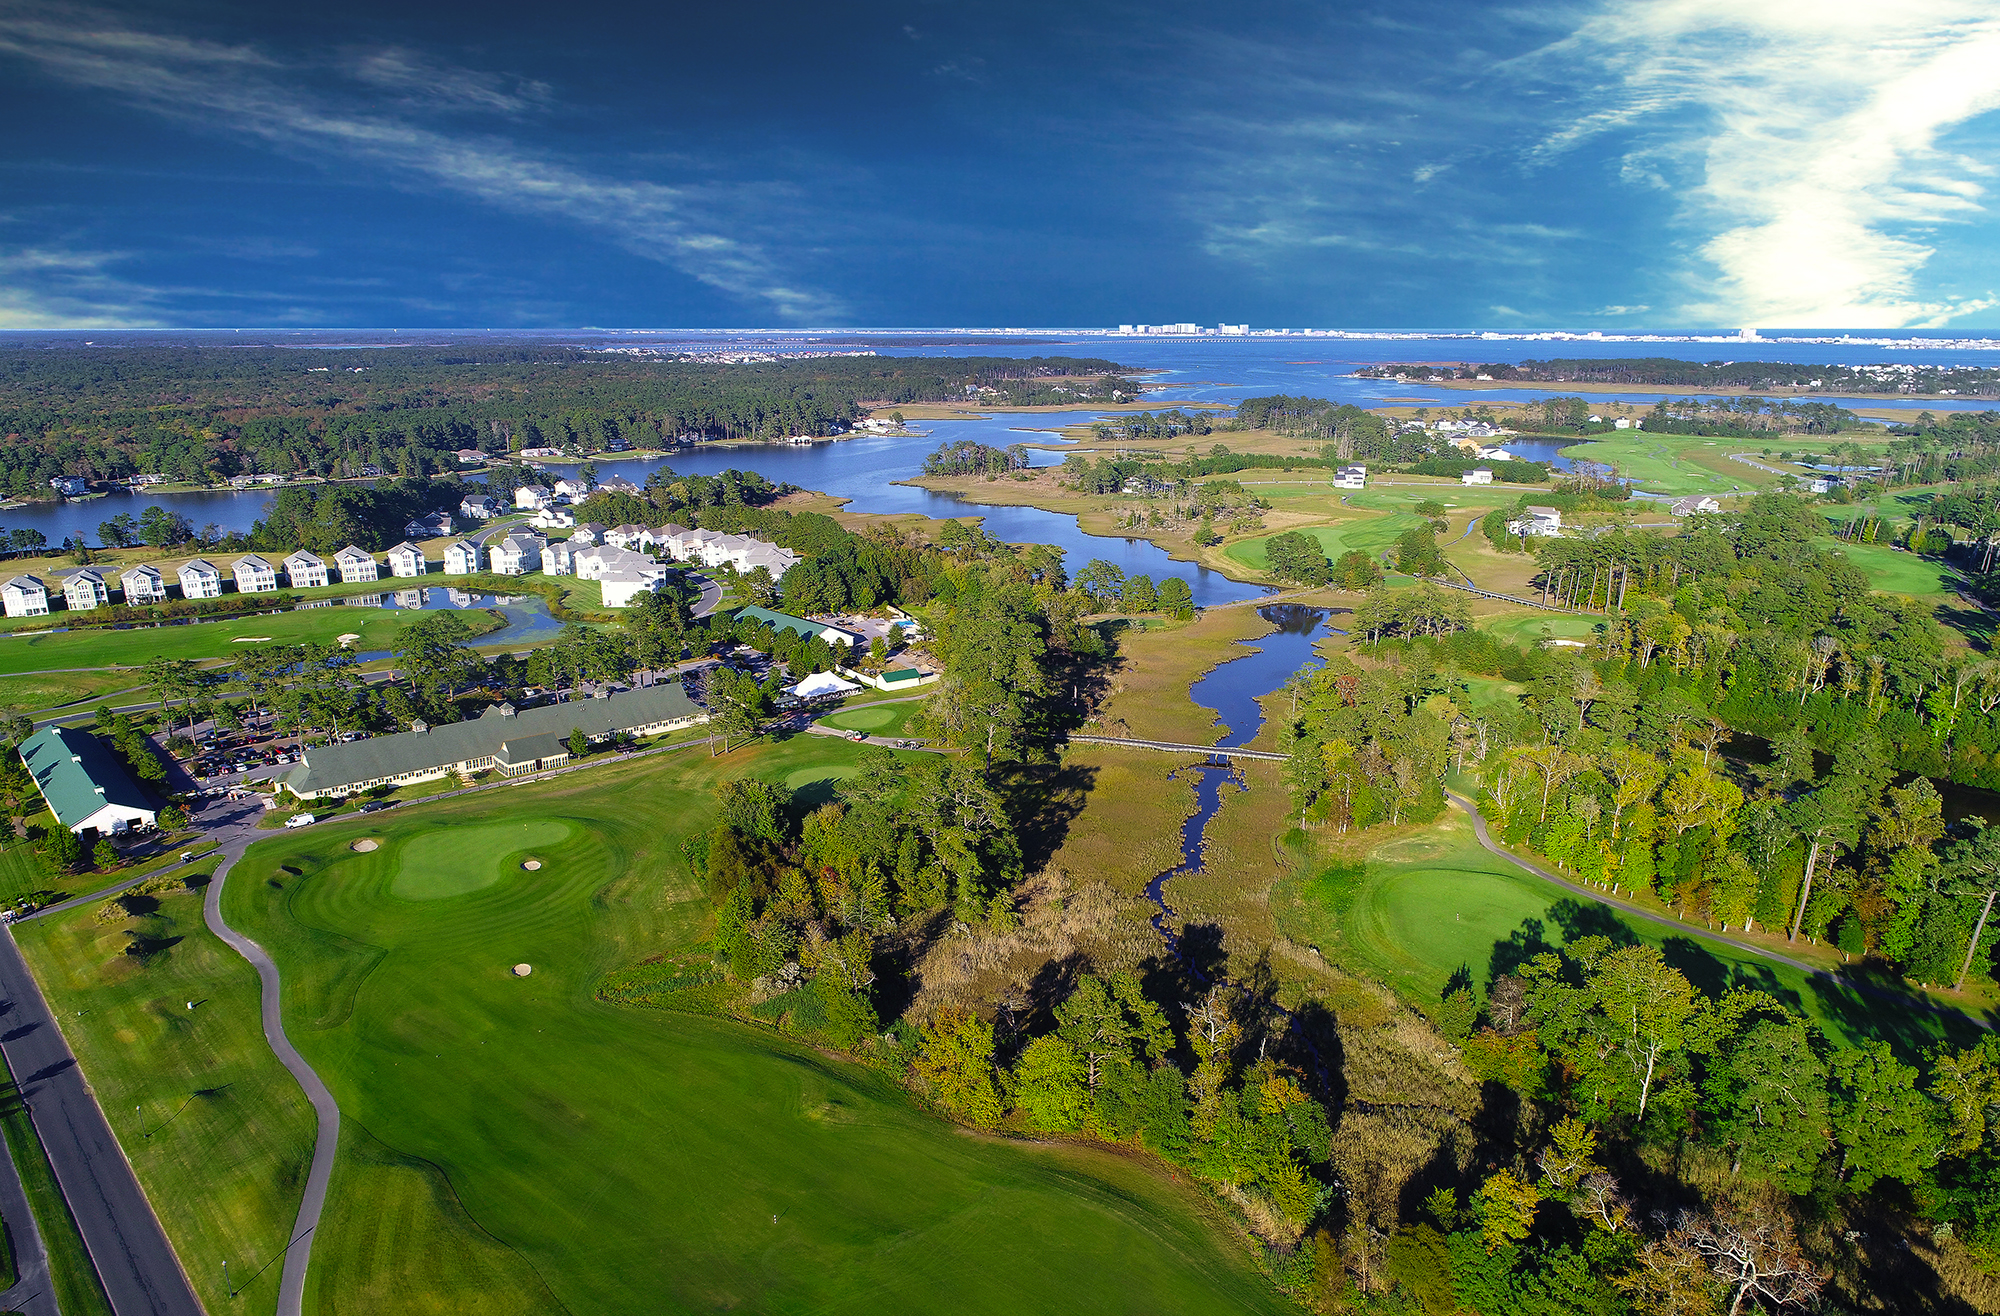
(784, 621)
(77, 775)
(337, 767)
(900, 675)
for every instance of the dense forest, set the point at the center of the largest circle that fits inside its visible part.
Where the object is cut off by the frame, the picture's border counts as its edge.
(202, 413)
(1970, 381)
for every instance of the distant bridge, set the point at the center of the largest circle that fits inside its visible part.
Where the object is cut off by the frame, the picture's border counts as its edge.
(1169, 747)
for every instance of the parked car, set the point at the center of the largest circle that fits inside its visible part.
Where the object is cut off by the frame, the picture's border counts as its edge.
(376, 806)
(300, 820)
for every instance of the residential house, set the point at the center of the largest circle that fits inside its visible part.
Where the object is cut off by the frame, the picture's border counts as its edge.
(618, 484)
(256, 481)
(621, 574)
(479, 507)
(86, 788)
(25, 596)
(575, 488)
(558, 558)
(517, 554)
(470, 457)
(70, 486)
(773, 559)
(357, 566)
(406, 560)
(435, 525)
(660, 538)
(533, 497)
(510, 741)
(590, 532)
(1622, 423)
(624, 536)
(1351, 477)
(253, 575)
(1478, 475)
(616, 444)
(1537, 522)
(84, 590)
(200, 580)
(143, 584)
(553, 518)
(461, 558)
(1694, 504)
(305, 570)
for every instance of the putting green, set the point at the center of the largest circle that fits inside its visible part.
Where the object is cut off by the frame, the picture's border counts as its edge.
(1432, 906)
(453, 861)
(519, 1145)
(800, 778)
(865, 718)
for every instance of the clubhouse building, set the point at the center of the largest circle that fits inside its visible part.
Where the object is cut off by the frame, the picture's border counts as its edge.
(513, 742)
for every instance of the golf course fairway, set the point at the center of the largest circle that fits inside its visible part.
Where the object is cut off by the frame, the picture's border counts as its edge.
(1431, 910)
(513, 1144)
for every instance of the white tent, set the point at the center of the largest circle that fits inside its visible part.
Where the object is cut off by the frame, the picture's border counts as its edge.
(822, 683)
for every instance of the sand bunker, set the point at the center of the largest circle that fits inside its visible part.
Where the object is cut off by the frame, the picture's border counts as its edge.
(365, 844)
(523, 970)
(531, 864)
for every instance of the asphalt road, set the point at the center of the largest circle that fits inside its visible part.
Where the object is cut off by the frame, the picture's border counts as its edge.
(32, 1294)
(141, 1275)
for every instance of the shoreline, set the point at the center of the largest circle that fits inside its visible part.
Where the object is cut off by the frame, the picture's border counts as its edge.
(1674, 390)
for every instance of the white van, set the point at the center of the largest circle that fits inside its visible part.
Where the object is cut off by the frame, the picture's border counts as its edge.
(300, 820)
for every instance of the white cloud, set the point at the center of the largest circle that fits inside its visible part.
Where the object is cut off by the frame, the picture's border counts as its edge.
(1817, 130)
(313, 110)
(51, 288)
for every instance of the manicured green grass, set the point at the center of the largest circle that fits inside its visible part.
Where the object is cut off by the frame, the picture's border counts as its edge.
(513, 1144)
(377, 628)
(1662, 463)
(1371, 536)
(1894, 571)
(1533, 627)
(216, 1130)
(1433, 910)
(450, 862)
(876, 719)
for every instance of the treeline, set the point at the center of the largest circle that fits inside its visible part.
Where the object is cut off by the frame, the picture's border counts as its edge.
(200, 414)
(1102, 475)
(1747, 418)
(1348, 432)
(1668, 371)
(967, 457)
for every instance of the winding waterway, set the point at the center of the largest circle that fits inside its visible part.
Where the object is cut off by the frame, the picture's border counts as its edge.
(1233, 690)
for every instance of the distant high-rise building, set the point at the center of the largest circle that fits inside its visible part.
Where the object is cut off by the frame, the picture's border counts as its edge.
(1234, 330)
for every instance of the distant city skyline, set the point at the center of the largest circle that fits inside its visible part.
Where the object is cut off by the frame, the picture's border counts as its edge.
(1622, 165)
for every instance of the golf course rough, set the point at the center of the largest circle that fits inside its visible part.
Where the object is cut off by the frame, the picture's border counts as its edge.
(519, 1145)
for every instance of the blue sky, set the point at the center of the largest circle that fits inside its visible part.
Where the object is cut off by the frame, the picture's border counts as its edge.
(1651, 163)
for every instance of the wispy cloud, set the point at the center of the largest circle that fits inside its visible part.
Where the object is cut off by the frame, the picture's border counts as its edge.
(339, 106)
(1817, 136)
(43, 287)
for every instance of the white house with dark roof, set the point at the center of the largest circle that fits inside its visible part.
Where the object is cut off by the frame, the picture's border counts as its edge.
(305, 570)
(25, 596)
(85, 589)
(533, 497)
(517, 554)
(558, 558)
(624, 536)
(1695, 503)
(618, 484)
(430, 526)
(143, 584)
(357, 566)
(461, 558)
(406, 560)
(479, 507)
(590, 532)
(574, 487)
(200, 580)
(254, 575)
(1537, 522)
